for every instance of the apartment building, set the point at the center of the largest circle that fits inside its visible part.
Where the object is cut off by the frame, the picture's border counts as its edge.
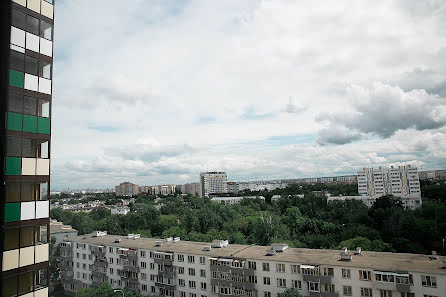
(127, 189)
(191, 188)
(213, 183)
(26, 64)
(401, 181)
(174, 268)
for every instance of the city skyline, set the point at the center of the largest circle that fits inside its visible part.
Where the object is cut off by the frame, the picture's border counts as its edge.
(259, 89)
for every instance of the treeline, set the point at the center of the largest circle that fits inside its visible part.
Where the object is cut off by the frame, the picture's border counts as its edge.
(301, 222)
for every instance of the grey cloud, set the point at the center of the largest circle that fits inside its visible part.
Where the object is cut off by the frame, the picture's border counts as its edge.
(383, 110)
(336, 136)
(428, 79)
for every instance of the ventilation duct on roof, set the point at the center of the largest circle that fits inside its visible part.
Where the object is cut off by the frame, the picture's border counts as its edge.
(207, 248)
(433, 256)
(270, 252)
(358, 251)
(158, 243)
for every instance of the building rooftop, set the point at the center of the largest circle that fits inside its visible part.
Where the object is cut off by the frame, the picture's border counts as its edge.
(61, 229)
(371, 260)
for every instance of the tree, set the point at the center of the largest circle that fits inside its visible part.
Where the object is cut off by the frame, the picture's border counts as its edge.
(291, 292)
(366, 244)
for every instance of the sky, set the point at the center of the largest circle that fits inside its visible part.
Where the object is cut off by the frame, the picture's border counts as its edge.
(155, 91)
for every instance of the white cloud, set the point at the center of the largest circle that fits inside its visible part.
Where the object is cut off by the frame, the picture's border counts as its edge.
(184, 86)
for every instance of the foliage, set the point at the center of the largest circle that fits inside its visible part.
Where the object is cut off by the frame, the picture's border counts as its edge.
(105, 290)
(291, 292)
(309, 222)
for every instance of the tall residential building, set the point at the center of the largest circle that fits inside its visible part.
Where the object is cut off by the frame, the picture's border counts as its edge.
(26, 64)
(178, 268)
(127, 189)
(401, 181)
(192, 188)
(213, 183)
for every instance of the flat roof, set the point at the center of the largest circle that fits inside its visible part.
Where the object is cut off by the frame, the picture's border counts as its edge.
(371, 260)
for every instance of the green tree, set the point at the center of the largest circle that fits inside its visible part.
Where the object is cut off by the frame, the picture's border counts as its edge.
(291, 292)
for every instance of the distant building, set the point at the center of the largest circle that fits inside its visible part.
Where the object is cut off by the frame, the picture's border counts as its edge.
(60, 231)
(162, 190)
(401, 181)
(120, 210)
(127, 189)
(213, 182)
(234, 200)
(261, 185)
(145, 189)
(408, 202)
(233, 187)
(192, 188)
(432, 174)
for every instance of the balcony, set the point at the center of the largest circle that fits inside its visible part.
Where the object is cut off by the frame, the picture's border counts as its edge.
(323, 279)
(167, 273)
(385, 286)
(231, 283)
(166, 262)
(130, 268)
(244, 271)
(165, 286)
(405, 288)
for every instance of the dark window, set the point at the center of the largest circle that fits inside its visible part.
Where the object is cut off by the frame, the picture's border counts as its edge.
(26, 282)
(29, 105)
(14, 148)
(17, 61)
(32, 25)
(29, 149)
(45, 69)
(31, 65)
(18, 19)
(28, 192)
(26, 236)
(11, 239)
(41, 234)
(46, 30)
(42, 149)
(12, 191)
(42, 278)
(9, 286)
(43, 191)
(15, 102)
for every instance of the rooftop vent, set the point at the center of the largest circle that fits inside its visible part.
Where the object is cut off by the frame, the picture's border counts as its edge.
(99, 233)
(176, 239)
(279, 247)
(169, 239)
(207, 248)
(158, 243)
(133, 236)
(345, 255)
(219, 243)
(117, 239)
(270, 252)
(433, 256)
(358, 251)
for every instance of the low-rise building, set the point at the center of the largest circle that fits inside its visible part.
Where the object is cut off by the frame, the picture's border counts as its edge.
(234, 200)
(60, 231)
(178, 268)
(120, 210)
(408, 202)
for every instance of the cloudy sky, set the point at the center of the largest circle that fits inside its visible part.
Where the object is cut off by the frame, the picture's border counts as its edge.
(155, 91)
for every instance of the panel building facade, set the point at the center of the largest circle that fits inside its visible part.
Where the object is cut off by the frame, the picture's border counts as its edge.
(26, 73)
(213, 183)
(193, 269)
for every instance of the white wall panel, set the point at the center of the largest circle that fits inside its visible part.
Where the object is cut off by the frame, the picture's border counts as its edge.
(34, 5)
(43, 167)
(46, 47)
(27, 210)
(42, 209)
(17, 48)
(45, 85)
(41, 293)
(28, 295)
(10, 260)
(32, 42)
(47, 9)
(26, 256)
(42, 251)
(28, 166)
(31, 82)
(17, 36)
(21, 2)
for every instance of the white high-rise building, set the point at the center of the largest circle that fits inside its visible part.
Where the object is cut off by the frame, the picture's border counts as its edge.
(213, 182)
(401, 181)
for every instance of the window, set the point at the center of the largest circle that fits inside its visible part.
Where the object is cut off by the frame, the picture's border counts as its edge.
(203, 286)
(32, 25)
(385, 293)
(26, 236)
(110, 260)
(180, 258)
(225, 291)
(17, 61)
(143, 265)
(46, 30)
(182, 294)
(144, 287)
(152, 266)
(347, 290)
(281, 282)
(15, 102)
(428, 281)
(346, 273)
(181, 282)
(180, 270)
(191, 271)
(366, 292)
(252, 279)
(202, 273)
(11, 239)
(365, 275)
(191, 259)
(29, 105)
(18, 19)
(329, 288)
(429, 295)
(192, 284)
(267, 294)
(252, 265)
(295, 268)
(14, 148)
(313, 287)
(192, 295)
(280, 267)
(266, 280)
(265, 267)
(328, 271)
(43, 110)
(202, 260)
(31, 65)
(297, 284)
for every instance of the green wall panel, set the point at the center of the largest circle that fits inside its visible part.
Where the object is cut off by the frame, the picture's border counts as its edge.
(13, 166)
(14, 121)
(16, 78)
(29, 123)
(43, 126)
(12, 212)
